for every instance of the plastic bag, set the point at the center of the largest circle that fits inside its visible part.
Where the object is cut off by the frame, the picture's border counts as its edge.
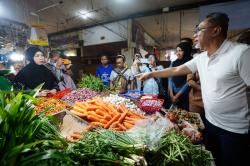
(150, 130)
(191, 132)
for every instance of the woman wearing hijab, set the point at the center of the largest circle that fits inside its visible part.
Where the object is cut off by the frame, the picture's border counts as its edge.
(35, 73)
(178, 87)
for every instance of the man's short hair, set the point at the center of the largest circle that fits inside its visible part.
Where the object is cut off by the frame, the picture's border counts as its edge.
(219, 19)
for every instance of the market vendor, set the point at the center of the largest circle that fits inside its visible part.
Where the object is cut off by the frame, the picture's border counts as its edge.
(35, 73)
(224, 75)
(121, 78)
(104, 70)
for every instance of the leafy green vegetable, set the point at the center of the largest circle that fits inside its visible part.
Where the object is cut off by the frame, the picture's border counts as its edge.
(92, 82)
(176, 150)
(24, 134)
(105, 147)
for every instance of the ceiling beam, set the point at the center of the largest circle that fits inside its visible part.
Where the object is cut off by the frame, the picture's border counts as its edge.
(143, 14)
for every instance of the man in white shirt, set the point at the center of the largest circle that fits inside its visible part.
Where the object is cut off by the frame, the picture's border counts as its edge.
(224, 74)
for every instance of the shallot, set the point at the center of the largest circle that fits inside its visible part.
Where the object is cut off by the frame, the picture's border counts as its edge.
(82, 94)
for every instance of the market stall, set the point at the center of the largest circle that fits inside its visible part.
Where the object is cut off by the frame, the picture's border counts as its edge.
(95, 126)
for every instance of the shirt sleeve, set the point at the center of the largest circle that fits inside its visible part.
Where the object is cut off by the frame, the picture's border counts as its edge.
(192, 64)
(243, 66)
(112, 76)
(131, 75)
(184, 88)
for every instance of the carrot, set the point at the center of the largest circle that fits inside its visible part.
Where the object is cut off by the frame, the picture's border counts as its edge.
(76, 135)
(100, 112)
(104, 121)
(103, 106)
(128, 125)
(131, 119)
(130, 113)
(113, 125)
(112, 108)
(78, 113)
(123, 107)
(123, 116)
(107, 117)
(92, 113)
(115, 118)
(121, 127)
(91, 108)
(97, 124)
(80, 105)
(79, 110)
(93, 118)
(130, 122)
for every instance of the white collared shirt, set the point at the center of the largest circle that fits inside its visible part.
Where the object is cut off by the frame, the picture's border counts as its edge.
(224, 77)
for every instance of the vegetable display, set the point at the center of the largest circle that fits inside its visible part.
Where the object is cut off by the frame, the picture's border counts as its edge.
(59, 94)
(27, 138)
(106, 115)
(117, 100)
(151, 105)
(105, 147)
(50, 105)
(91, 82)
(176, 150)
(79, 95)
(179, 115)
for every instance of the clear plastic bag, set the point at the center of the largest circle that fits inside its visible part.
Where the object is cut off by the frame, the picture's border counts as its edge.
(150, 130)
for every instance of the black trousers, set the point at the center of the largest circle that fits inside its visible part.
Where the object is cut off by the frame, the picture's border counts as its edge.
(228, 149)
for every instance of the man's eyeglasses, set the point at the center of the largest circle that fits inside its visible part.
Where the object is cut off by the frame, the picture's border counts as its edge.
(200, 29)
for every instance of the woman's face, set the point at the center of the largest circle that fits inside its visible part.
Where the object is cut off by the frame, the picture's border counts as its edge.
(179, 53)
(39, 58)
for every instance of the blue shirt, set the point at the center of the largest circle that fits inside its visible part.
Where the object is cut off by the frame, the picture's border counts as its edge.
(104, 73)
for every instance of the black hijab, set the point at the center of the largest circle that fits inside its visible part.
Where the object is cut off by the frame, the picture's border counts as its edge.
(187, 48)
(33, 75)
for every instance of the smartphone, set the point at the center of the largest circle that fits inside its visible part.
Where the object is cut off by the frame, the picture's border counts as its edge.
(138, 56)
(143, 60)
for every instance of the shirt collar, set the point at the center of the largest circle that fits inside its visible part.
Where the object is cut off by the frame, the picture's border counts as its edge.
(222, 49)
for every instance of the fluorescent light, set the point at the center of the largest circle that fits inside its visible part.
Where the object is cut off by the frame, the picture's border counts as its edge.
(16, 56)
(70, 53)
(85, 14)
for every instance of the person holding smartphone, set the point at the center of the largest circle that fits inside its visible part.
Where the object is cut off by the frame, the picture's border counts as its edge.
(145, 65)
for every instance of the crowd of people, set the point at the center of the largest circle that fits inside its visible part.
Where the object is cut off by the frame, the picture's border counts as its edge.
(213, 81)
(224, 79)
